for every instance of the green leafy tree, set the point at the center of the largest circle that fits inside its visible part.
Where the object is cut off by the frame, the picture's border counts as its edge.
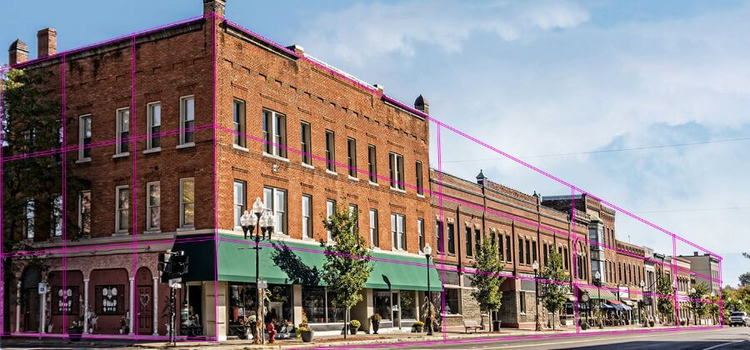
(665, 304)
(487, 284)
(699, 308)
(347, 265)
(745, 279)
(556, 294)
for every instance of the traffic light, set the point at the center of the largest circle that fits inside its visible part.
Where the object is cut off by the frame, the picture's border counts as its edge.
(180, 265)
(173, 264)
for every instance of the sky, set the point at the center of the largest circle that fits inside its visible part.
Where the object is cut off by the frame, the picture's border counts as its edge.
(645, 104)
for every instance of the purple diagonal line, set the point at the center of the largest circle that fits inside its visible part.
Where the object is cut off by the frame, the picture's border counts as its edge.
(63, 214)
(674, 279)
(104, 336)
(441, 247)
(216, 174)
(101, 247)
(575, 257)
(134, 147)
(2, 212)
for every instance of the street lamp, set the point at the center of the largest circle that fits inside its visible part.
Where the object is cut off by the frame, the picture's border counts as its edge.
(264, 221)
(643, 304)
(695, 306)
(535, 266)
(598, 282)
(427, 252)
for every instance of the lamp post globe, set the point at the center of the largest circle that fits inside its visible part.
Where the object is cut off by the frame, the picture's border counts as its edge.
(598, 282)
(427, 252)
(248, 222)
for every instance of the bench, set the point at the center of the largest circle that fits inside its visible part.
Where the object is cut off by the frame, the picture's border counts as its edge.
(471, 324)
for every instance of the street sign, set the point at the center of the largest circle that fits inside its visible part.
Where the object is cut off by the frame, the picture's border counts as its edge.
(175, 281)
(262, 284)
(43, 288)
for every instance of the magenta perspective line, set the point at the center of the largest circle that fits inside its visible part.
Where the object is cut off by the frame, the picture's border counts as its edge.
(2, 211)
(216, 173)
(64, 182)
(134, 145)
(440, 249)
(105, 336)
(103, 247)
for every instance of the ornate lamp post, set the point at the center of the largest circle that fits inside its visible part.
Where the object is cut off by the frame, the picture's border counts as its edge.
(264, 221)
(643, 303)
(598, 282)
(427, 252)
(535, 266)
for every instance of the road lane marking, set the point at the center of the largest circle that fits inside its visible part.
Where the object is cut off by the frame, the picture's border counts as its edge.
(725, 344)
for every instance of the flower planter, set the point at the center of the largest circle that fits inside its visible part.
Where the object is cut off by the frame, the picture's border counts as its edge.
(307, 336)
(375, 327)
(353, 330)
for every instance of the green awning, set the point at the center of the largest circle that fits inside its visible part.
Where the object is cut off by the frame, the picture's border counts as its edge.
(297, 263)
(597, 293)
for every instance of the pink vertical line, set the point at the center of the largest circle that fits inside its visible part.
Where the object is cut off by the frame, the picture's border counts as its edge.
(134, 206)
(2, 213)
(63, 215)
(674, 279)
(215, 181)
(721, 299)
(575, 256)
(441, 251)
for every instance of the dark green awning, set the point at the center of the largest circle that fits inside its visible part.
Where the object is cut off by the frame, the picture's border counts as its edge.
(297, 263)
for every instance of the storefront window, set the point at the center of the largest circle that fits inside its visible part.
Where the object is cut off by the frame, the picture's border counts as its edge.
(335, 314)
(451, 301)
(382, 303)
(408, 305)
(241, 302)
(65, 300)
(313, 304)
(280, 304)
(110, 300)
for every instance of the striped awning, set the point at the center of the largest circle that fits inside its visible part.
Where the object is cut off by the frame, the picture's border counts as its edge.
(596, 293)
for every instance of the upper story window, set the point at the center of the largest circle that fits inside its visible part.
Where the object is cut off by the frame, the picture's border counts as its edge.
(374, 234)
(353, 211)
(533, 252)
(84, 212)
(238, 119)
(372, 163)
(275, 199)
(396, 165)
(29, 222)
(330, 151)
(153, 129)
(439, 235)
(57, 216)
(84, 137)
(330, 208)
(306, 143)
(451, 239)
(528, 252)
(398, 221)
(187, 202)
(520, 251)
(478, 241)
(123, 130)
(508, 249)
(274, 133)
(307, 216)
(469, 246)
(153, 206)
(420, 234)
(187, 120)
(351, 145)
(240, 201)
(122, 201)
(420, 181)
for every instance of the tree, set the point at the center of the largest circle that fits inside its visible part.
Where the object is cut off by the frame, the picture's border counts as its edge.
(487, 281)
(699, 307)
(665, 304)
(31, 123)
(556, 294)
(347, 265)
(745, 279)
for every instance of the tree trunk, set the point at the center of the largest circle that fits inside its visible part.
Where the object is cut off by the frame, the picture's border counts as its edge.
(346, 322)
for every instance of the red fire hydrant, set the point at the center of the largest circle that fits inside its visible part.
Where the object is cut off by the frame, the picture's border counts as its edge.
(271, 333)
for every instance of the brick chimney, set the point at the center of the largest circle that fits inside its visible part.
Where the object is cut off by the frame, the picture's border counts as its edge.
(47, 39)
(214, 6)
(18, 52)
(421, 104)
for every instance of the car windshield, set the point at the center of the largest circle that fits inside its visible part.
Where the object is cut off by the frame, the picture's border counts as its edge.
(738, 314)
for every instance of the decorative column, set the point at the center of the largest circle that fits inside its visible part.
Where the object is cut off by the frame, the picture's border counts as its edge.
(86, 314)
(18, 306)
(156, 306)
(132, 305)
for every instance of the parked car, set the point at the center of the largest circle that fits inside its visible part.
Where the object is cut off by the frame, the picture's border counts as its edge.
(739, 319)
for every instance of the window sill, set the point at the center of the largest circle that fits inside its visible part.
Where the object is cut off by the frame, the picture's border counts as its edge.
(83, 160)
(420, 195)
(373, 183)
(121, 155)
(352, 178)
(185, 145)
(120, 234)
(329, 172)
(152, 231)
(185, 229)
(273, 156)
(152, 150)
(309, 166)
(398, 190)
(240, 148)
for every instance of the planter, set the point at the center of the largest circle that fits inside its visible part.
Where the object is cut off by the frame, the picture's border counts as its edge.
(307, 336)
(584, 326)
(353, 330)
(375, 327)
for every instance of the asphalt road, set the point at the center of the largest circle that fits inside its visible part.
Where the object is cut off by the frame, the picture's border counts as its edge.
(724, 339)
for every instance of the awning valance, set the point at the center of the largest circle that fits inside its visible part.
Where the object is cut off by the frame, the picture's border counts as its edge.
(597, 293)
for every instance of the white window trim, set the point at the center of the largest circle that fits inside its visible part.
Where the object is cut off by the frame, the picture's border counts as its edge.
(56, 220)
(182, 204)
(309, 145)
(395, 180)
(80, 209)
(119, 131)
(420, 227)
(374, 227)
(272, 208)
(29, 228)
(309, 234)
(149, 126)
(329, 234)
(234, 200)
(275, 147)
(117, 209)
(399, 245)
(242, 133)
(148, 207)
(81, 136)
(181, 126)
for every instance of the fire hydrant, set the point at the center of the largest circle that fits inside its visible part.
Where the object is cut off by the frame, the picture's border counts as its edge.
(271, 333)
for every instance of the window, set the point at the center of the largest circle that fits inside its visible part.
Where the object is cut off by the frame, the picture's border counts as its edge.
(420, 233)
(451, 239)
(451, 301)
(110, 300)
(439, 235)
(545, 253)
(420, 183)
(478, 240)
(57, 216)
(330, 151)
(501, 246)
(187, 202)
(153, 138)
(84, 137)
(306, 145)
(397, 231)
(307, 216)
(533, 252)
(275, 199)
(238, 111)
(372, 163)
(396, 166)
(274, 133)
(84, 212)
(566, 257)
(240, 201)
(374, 233)
(351, 145)
(123, 130)
(353, 211)
(317, 304)
(153, 205)
(522, 301)
(187, 120)
(122, 202)
(528, 253)
(508, 249)
(469, 246)
(330, 208)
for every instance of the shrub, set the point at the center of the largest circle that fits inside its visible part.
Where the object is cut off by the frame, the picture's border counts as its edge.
(355, 324)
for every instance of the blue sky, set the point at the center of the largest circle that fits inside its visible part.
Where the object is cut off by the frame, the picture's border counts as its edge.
(534, 78)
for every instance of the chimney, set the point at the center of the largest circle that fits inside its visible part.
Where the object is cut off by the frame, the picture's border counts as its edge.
(297, 49)
(421, 104)
(214, 7)
(481, 178)
(47, 39)
(379, 87)
(18, 52)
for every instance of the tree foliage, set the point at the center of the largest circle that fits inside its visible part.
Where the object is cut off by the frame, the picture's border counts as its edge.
(701, 290)
(665, 287)
(488, 282)
(556, 294)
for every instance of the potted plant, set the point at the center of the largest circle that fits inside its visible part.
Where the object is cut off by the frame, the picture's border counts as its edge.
(75, 330)
(124, 325)
(375, 319)
(418, 326)
(304, 331)
(354, 326)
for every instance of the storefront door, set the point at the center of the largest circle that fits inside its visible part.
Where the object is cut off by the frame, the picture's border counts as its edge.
(396, 307)
(145, 310)
(31, 311)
